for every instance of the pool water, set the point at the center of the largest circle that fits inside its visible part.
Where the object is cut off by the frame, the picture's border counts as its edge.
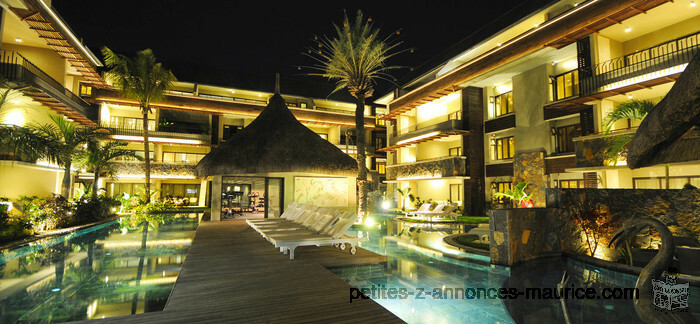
(417, 263)
(103, 271)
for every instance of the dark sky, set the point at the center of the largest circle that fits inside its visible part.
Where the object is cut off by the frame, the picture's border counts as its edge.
(229, 42)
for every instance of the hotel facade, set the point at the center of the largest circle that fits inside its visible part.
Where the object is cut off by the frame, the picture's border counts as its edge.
(526, 102)
(55, 74)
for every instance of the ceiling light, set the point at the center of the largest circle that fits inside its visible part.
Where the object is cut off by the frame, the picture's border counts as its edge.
(575, 4)
(233, 91)
(18, 40)
(417, 138)
(692, 4)
(259, 94)
(629, 97)
(628, 29)
(537, 25)
(15, 101)
(498, 44)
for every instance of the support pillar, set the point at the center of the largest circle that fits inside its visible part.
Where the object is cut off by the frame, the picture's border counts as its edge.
(216, 198)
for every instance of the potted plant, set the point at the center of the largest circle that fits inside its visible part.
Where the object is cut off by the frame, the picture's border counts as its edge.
(518, 196)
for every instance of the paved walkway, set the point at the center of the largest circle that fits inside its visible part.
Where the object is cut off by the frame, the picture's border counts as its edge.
(231, 274)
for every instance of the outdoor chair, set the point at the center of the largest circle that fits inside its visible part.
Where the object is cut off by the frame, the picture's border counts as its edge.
(290, 213)
(445, 211)
(423, 208)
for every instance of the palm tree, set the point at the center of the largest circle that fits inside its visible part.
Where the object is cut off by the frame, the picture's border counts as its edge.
(66, 139)
(99, 157)
(355, 59)
(631, 109)
(143, 79)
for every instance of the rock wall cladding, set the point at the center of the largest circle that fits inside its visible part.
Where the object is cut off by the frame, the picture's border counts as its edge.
(530, 167)
(456, 166)
(679, 209)
(157, 169)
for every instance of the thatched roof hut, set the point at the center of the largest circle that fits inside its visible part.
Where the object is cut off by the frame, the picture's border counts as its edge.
(276, 142)
(659, 138)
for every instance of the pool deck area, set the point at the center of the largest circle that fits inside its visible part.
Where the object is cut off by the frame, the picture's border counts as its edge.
(232, 274)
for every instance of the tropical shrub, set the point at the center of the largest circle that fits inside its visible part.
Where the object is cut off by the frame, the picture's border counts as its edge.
(45, 214)
(93, 208)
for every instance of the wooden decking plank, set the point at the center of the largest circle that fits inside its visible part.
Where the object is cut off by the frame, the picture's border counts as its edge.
(232, 274)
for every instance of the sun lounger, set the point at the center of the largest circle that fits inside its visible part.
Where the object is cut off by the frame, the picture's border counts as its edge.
(332, 236)
(290, 210)
(423, 208)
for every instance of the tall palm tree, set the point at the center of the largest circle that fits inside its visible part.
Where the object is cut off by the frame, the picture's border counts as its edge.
(631, 109)
(355, 59)
(143, 79)
(99, 157)
(66, 140)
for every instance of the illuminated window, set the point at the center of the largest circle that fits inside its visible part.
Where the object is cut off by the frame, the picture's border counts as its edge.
(381, 167)
(456, 192)
(565, 85)
(571, 184)
(302, 105)
(502, 148)
(501, 104)
(323, 136)
(455, 151)
(660, 183)
(130, 123)
(85, 90)
(565, 138)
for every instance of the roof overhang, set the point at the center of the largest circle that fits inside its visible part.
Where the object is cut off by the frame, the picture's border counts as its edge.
(559, 31)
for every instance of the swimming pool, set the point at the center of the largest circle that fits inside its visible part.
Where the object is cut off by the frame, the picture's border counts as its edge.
(420, 264)
(108, 270)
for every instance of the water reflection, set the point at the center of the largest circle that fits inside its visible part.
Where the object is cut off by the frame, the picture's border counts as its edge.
(115, 270)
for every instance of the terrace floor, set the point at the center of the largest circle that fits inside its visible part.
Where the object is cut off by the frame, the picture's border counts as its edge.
(231, 274)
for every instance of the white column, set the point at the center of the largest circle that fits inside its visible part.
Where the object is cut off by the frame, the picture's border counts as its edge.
(216, 198)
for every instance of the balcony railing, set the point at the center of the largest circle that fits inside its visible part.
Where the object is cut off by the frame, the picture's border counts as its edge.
(137, 131)
(441, 167)
(16, 68)
(457, 115)
(667, 58)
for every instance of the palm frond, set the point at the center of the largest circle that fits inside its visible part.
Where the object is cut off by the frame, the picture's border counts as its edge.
(631, 109)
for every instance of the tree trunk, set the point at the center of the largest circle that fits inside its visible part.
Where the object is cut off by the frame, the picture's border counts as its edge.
(139, 270)
(95, 187)
(361, 166)
(147, 153)
(65, 184)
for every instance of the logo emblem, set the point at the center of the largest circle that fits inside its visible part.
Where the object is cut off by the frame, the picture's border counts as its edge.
(669, 295)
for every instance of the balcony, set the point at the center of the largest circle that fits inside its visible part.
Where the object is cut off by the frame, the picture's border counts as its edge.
(657, 62)
(426, 131)
(135, 133)
(442, 167)
(159, 170)
(38, 85)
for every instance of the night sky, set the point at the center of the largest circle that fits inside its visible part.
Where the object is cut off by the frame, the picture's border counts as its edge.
(238, 43)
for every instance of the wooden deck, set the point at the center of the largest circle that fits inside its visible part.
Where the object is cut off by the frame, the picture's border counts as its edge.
(232, 274)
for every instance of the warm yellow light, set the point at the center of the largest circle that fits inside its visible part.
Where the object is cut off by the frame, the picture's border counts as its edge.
(692, 4)
(417, 138)
(15, 117)
(419, 178)
(628, 29)
(18, 40)
(645, 77)
(157, 139)
(369, 222)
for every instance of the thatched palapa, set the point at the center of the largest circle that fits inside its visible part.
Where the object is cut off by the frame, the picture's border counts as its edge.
(276, 142)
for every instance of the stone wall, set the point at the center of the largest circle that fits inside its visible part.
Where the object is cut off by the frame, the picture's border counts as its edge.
(446, 167)
(679, 209)
(126, 169)
(530, 167)
(523, 234)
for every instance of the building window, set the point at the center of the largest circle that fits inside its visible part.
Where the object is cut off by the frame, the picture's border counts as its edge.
(660, 183)
(380, 122)
(116, 188)
(456, 192)
(177, 190)
(173, 157)
(229, 130)
(565, 85)
(565, 138)
(381, 167)
(455, 151)
(501, 104)
(502, 148)
(500, 187)
(571, 184)
(302, 105)
(85, 90)
(323, 136)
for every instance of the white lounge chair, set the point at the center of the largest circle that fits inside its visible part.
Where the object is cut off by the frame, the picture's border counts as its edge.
(333, 236)
(445, 211)
(307, 216)
(291, 208)
(423, 208)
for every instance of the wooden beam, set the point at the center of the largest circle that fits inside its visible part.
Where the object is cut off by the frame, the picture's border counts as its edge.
(613, 20)
(637, 9)
(30, 16)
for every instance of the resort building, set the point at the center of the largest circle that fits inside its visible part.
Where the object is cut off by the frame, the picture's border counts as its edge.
(525, 98)
(58, 75)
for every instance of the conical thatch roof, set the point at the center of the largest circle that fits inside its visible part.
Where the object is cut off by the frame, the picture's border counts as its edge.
(276, 142)
(658, 139)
